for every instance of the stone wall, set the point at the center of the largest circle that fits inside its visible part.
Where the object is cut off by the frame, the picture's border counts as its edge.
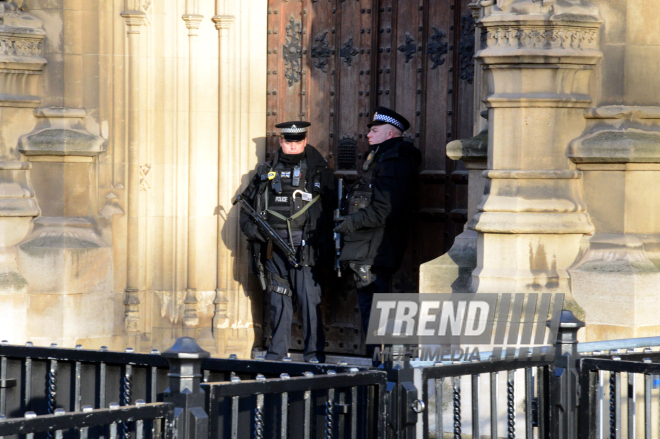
(136, 123)
(570, 200)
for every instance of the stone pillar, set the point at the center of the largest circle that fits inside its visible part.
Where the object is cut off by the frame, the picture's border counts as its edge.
(67, 264)
(617, 278)
(537, 60)
(21, 67)
(220, 318)
(134, 21)
(191, 320)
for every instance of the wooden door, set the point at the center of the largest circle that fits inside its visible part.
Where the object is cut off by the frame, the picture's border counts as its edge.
(332, 62)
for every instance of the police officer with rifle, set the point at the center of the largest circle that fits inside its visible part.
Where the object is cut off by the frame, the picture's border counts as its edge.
(287, 216)
(378, 208)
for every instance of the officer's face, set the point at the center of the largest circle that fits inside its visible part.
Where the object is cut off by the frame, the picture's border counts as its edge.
(289, 147)
(380, 133)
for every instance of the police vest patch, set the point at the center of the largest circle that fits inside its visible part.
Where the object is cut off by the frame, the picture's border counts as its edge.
(281, 199)
(286, 174)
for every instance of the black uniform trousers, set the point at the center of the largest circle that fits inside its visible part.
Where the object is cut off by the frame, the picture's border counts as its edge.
(305, 286)
(366, 297)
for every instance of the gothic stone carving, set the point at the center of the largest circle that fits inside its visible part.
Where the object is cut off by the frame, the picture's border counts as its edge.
(532, 37)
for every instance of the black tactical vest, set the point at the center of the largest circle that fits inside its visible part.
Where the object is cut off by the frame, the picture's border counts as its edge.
(290, 201)
(359, 195)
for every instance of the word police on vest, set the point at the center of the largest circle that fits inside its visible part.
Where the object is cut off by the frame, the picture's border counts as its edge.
(451, 319)
(281, 199)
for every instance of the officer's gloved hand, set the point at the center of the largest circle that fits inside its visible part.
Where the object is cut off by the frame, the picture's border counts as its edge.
(253, 233)
(347, 226)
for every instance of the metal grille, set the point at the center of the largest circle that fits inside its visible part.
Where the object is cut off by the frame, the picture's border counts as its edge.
(347, 155)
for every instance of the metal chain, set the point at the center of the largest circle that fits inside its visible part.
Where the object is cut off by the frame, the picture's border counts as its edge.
(258, 423)
(328, 420)
(511, 416)
(127, 391)
(457, 408)
(612, 408)
(51, 391)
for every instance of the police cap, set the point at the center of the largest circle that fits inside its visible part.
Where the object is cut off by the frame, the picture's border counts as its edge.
(384, 115)
(293, 131)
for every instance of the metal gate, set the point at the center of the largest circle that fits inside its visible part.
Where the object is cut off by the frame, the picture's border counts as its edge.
(73, 393)
(332, 62)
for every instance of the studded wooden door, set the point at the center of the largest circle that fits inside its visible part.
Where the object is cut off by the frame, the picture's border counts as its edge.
(332, 62)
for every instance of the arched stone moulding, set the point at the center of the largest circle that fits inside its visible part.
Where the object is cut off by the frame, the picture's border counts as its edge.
(617, 277)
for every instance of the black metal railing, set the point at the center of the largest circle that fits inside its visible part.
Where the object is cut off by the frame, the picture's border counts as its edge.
(42, 379)
(333, 405)
(600, 380)
(535, 382)
(217, 398)
(143, 421)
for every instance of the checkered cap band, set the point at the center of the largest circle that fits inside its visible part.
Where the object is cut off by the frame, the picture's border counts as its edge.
(388, 119)
(293, 130)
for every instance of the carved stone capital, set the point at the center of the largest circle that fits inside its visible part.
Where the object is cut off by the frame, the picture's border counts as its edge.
(539, 42)
(193, 21)
(60, 132)
(134, 20)
(618, 134)
(223, 22)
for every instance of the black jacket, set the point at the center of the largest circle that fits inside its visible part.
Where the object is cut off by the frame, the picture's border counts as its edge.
(317, 232)
(381, 227)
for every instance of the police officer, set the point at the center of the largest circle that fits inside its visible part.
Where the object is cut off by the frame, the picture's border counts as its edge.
(294, 193)
(378, 209)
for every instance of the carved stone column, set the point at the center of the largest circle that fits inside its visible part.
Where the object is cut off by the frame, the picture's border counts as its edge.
(134, 21)
(191, 320)
(225, 183)
(538, 58)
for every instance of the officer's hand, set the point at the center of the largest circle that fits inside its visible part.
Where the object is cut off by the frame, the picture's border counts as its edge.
(253, 233)
(346, 227)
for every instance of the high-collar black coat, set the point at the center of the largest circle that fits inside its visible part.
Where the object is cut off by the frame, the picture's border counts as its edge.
(381, 227)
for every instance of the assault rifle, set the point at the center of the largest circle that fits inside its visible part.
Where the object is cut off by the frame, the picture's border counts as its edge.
(267, 231)
(340, 185)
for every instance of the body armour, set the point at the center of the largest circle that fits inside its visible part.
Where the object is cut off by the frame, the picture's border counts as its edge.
(286, 200)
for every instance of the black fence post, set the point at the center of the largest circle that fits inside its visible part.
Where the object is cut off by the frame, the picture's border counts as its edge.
(185, 358)
(401, 394)
(564, 379)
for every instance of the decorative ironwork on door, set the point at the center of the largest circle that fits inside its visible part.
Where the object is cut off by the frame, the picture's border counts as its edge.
(342, 59)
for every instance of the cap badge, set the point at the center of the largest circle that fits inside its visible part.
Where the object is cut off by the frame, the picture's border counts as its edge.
(375, 115)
